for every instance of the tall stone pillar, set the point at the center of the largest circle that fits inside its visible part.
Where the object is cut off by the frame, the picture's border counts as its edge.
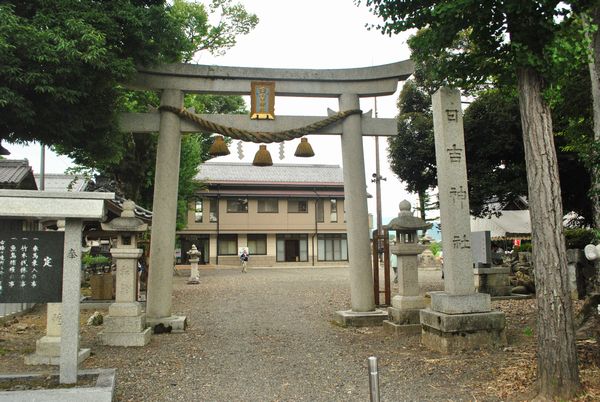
(362, 297)
(459, 318)
(164, 215)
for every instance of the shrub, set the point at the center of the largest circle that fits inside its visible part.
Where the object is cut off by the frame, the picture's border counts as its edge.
(579, 237)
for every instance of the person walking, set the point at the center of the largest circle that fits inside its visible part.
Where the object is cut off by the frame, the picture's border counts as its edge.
(244, 257)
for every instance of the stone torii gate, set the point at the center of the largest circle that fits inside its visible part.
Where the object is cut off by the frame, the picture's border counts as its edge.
(347, 85)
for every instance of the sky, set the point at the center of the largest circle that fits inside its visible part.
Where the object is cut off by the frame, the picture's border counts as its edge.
(315, 34)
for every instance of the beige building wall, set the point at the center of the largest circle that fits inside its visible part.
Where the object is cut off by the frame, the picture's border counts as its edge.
(271, 224)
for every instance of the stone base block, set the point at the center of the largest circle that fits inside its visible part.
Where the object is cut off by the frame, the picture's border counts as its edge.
(401, 330)
(408, 302)
(349, 318)
(494, 280)
(404, 317)
(193, 281)
(454, 333)
(36, 358)
(124, 324)
(126, 338)
(48, 346)
(177, 323)
(125, 309)
(460, 304)
(102, 391)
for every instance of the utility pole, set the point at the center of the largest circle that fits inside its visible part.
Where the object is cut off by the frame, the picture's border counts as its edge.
(377, 180)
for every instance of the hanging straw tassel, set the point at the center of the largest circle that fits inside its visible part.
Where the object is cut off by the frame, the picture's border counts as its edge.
(218, 147)
(262, 157)
(304, 150)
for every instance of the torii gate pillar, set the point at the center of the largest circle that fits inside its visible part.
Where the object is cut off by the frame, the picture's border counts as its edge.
(164, 206)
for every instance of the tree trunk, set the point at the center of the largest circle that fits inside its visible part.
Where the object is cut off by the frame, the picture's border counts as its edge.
(557, 371)
(594, 67)
(422, 203)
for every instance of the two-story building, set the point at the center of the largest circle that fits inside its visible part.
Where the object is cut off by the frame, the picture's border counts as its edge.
(284, 214)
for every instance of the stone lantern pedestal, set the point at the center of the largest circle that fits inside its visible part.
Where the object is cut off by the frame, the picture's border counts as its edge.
(125, 324)
(407, 304)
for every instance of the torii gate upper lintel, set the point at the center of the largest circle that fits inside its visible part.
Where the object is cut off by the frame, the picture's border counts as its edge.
(348, 85)
(195, 78)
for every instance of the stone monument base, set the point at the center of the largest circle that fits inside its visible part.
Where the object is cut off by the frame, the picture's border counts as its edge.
(453, 333)
(125, 331)
(401, 330)
(349, 318)
(494, 280)
(404, 316)
(126, 338)
(47, 351)
(177, 323)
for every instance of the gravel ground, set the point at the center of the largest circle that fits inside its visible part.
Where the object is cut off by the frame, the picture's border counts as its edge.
(269, 335)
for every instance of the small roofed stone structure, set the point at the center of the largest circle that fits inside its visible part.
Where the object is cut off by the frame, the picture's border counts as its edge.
(125, 323)
(406, 305)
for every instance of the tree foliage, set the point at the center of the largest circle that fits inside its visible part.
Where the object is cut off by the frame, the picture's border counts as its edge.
(61, 62)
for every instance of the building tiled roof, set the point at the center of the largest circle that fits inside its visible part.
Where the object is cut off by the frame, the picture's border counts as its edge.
(15, 173)
(75, 183)
(62, 182)
(215, 172)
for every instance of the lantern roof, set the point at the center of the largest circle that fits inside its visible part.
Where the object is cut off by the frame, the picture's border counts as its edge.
(127, 222)
(406, 221)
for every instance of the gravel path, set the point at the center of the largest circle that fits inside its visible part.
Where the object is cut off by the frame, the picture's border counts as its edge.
(269, 336)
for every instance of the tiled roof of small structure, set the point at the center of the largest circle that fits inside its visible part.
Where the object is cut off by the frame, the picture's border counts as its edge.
(62, 182)
(13, 172)
(218, 172)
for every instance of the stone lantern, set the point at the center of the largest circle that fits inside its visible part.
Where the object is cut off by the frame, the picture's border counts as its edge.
(404, 313)
(194, 256)
(125, 323)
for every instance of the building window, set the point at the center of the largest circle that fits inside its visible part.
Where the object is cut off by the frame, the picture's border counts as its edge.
(237, 205)
(320, 211)
(227, 244)
(214, 214)
(332, 247)
(292, 247)
(198, 211)
(297, 205)
(333, 212)
(257, 244)
(268, 205)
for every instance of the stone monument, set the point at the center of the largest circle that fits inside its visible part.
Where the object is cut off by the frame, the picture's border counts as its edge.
(459, 318)
(406, 305)
(125, 324)
(194, 255)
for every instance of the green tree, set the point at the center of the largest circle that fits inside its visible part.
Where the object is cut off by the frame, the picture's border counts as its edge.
(411, 152)
(510, 39)
(61, 63)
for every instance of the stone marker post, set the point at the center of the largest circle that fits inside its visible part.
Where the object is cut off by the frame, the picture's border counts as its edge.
(459, 318)
(69, 343)
(194, 255)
